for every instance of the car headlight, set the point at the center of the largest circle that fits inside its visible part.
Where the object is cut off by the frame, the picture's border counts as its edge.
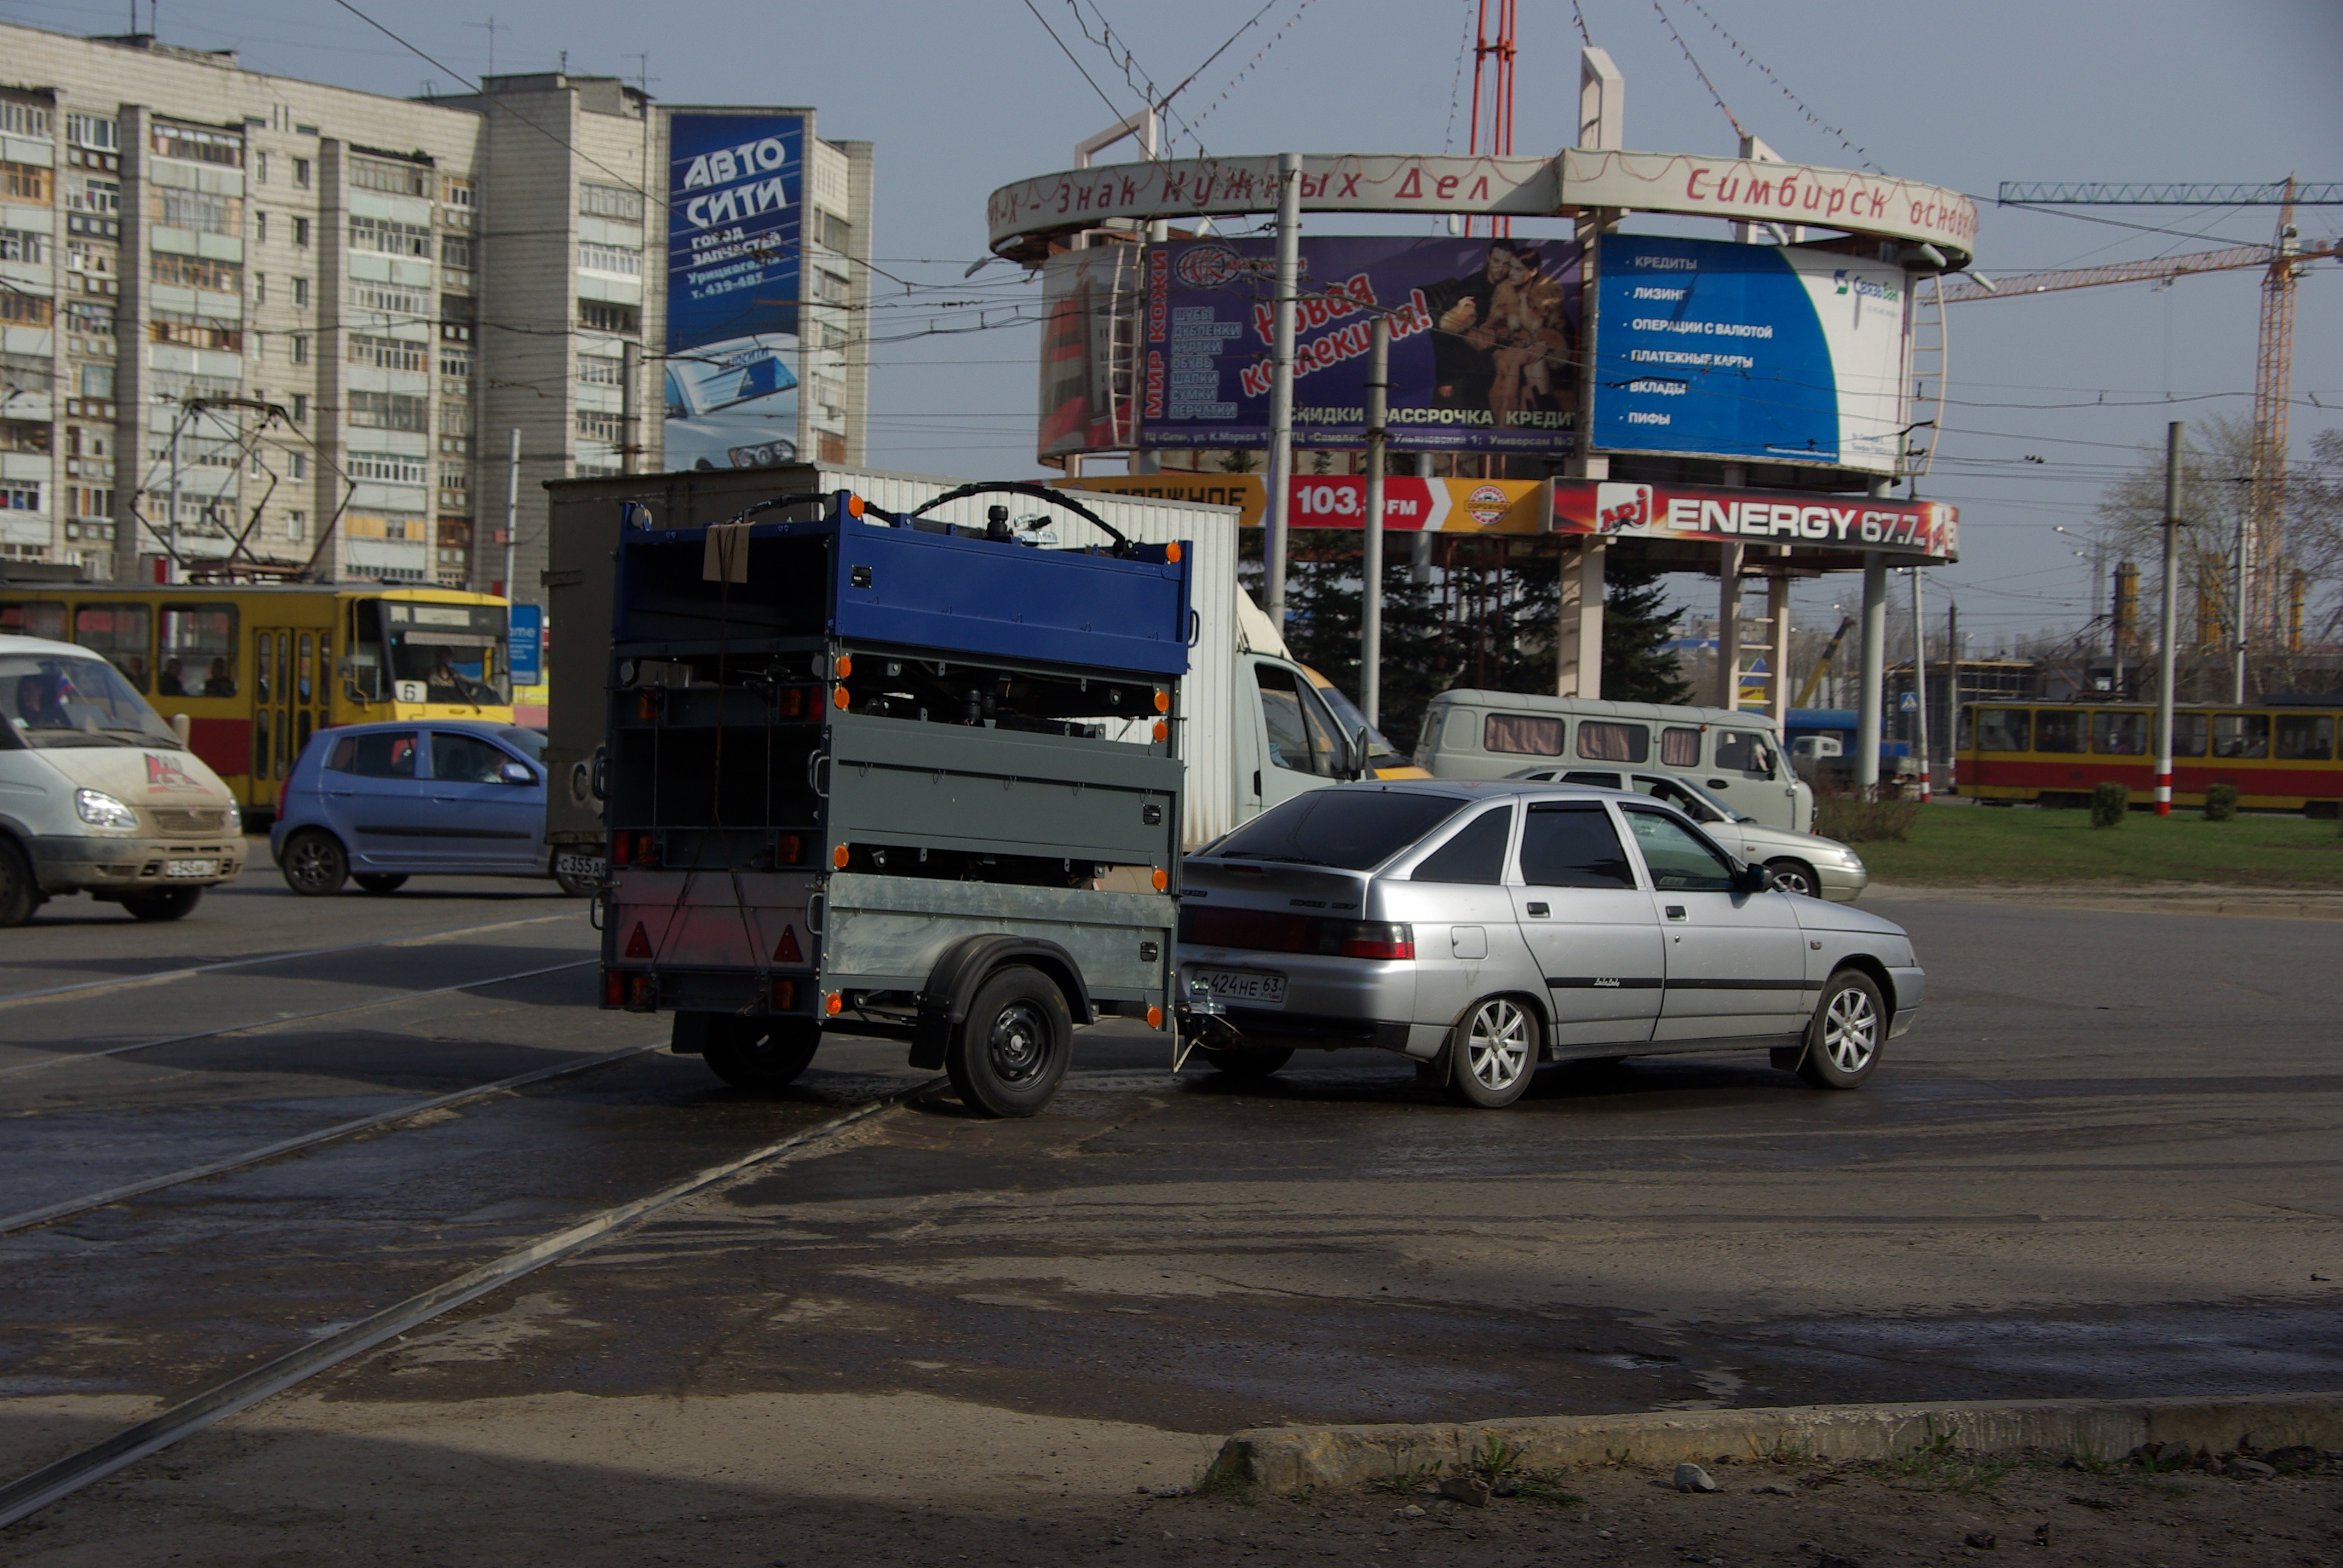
(100, 810)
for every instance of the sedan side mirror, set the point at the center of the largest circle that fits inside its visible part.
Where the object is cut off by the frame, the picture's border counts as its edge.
(1753, 879)
(516, 773)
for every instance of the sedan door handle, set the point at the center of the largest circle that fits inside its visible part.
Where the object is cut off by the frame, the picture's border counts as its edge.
(1539, 911)
(1676, 912)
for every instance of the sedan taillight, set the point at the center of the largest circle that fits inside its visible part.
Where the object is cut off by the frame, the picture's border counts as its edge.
(1376, 940)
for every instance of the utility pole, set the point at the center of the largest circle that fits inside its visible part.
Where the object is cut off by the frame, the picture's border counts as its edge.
(1952, 696)
(630, 435)
(1370, 567)
(1920, 685)
(2166, 620)
(1281, 386)
(512, 508)
(171, 567)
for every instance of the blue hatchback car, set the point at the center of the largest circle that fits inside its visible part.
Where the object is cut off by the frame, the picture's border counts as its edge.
(381, 802)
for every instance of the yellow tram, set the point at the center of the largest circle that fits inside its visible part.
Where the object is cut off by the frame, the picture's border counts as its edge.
(256, 669)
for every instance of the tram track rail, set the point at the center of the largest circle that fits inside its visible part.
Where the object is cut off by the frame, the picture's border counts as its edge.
(29, 1493)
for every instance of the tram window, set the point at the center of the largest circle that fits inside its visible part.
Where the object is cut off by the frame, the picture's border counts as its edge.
(364, 670)
(198, 652)
(2305, 737)
(121, 633)
(2058, 729)
(301, 673)
(2002, 730)
(262, 687)
(22, 620)
(2245, 736)
(2189, 735)
(2120, 734)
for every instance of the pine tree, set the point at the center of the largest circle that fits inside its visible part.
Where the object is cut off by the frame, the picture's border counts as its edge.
(1636, 627)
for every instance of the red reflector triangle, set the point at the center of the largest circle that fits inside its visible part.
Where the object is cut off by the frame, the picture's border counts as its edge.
(787, 953)
(638, 946)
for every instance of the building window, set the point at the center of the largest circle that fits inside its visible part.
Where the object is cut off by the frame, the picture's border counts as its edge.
(455, 332)
(296, 526)
(600, 370)
(837, 233)
(301, 172)
(453, 444)
(19, 118)
(297, 349)
(259, 289)
(97, 380)
(300, 291)
(390, 353)
(25, 309)
(192, 272)
(25, 245)
(596, 425)
(383, 297)
(609, 258)
(455, 362)
(28, 183)
(301, 231)
(389, 411)
(223, 148)
(20, 498)
(260, 228)
(458, 252)
(261, 168)
(381, 234)
(388, 469)
(610, 201)
(189, 331)
(198, 210)
(397, 180)
(300, 416)
(296, 465)
(457, 192)
(600, 315)
(91, 131)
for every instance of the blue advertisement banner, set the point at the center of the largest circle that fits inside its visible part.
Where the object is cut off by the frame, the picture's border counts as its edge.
(736, 188)
(1483, 343)
(524, 644)
(1764, 353)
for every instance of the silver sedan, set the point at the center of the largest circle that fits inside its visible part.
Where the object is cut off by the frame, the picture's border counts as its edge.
(1485, 927)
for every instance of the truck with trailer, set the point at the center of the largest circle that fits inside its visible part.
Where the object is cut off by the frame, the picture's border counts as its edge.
(1258, 727)
(868, 772)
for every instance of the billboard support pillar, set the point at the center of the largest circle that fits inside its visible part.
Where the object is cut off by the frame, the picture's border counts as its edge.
(1371, 566)
(1578, 634)
(1873, 665)
(1280, 386)
(631, 403)
(1920, 684)
(1728, 626)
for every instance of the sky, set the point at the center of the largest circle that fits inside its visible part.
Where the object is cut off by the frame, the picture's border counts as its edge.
(960, 96)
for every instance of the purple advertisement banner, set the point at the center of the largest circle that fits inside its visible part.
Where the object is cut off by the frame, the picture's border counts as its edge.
(1485, 343)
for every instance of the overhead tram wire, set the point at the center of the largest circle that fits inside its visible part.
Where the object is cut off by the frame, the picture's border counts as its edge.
(1730, 117)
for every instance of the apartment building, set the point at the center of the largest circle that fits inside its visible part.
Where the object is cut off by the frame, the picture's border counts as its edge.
(259, 324)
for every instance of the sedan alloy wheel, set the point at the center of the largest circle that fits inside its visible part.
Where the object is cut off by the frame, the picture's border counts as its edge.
(1496, 1050)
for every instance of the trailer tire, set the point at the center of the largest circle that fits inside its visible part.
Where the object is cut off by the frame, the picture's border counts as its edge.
(1009, 1055)
(760, 1054)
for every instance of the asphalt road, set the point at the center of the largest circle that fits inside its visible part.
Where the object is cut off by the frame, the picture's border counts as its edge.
(2104, 1162)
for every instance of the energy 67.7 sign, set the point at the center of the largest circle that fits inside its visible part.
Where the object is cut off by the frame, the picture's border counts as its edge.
(1749, 352)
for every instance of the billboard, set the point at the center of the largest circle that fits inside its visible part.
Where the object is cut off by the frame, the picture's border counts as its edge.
(1748, 352)
(1807, 520)
(1089, 319)
(736, 186)
(1483, 343)
(1339, 500)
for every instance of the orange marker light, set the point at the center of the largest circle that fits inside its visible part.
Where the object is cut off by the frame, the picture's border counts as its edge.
(1171, 552)
(1155, 1014)
(833, 1004)
(854, 505)
(785, 995)
(839, 857)
(1160, 880)
(840, 697)
(1163, 701)
(1162, 731)
(844, 665)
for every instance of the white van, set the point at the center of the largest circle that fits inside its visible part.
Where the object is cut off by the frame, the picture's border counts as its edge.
(1734, 756)
(98, 795)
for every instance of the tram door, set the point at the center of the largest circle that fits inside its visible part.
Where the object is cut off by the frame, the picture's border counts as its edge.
(283, 707)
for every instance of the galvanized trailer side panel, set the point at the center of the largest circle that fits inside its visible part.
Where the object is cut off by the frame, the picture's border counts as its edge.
(581, 596)
(886, 933)
(713, 919)
(994, 791)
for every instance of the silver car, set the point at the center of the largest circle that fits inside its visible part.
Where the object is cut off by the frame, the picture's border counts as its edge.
(1485, 927)
(1804, 863)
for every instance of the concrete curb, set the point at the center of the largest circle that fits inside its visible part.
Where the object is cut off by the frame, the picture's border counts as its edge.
(1289, 1459)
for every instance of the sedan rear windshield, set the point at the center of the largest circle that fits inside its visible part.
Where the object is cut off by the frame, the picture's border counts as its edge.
(1350, 828)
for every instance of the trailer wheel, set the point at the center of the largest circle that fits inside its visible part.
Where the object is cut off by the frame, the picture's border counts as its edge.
(760, 1054)
(1007, 1057)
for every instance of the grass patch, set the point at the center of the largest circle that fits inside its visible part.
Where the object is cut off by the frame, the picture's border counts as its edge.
(1545, 1487)
(1407, 1482)
(1940, 1465)
(1988, 844)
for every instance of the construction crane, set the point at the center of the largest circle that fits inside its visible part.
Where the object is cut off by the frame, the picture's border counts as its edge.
(1821, 664)
(2282, 262)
